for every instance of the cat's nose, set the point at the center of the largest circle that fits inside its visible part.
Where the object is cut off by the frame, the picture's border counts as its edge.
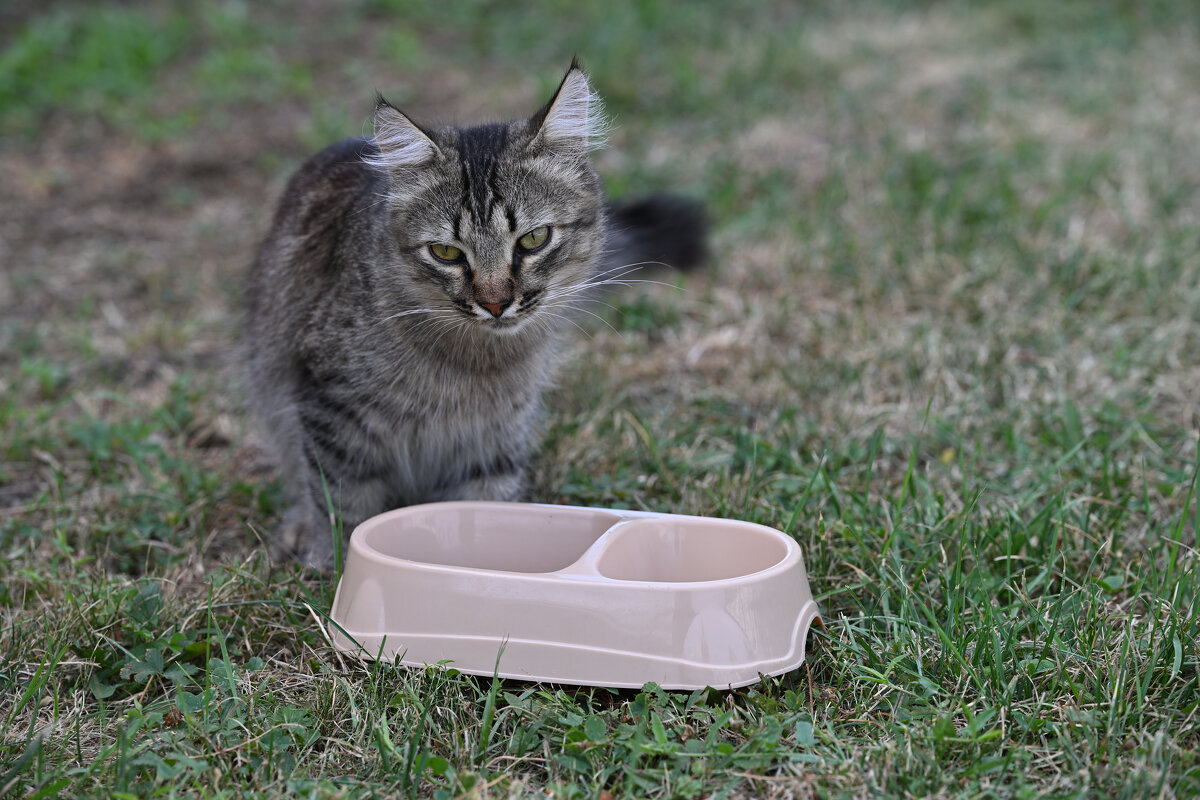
(496, 309)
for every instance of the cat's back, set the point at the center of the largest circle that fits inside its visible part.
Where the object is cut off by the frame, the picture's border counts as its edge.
(325, 187)
(322, 212)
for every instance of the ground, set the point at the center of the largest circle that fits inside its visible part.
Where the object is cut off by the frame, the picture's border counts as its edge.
(949, 340)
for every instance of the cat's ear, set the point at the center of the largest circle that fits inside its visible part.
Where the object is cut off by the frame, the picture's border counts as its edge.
(573, 122)
(402, 145)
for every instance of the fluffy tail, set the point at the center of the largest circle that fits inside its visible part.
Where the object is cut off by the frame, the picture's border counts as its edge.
(657, 230)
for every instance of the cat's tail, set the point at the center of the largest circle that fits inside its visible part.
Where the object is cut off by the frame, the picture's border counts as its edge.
(658, 230)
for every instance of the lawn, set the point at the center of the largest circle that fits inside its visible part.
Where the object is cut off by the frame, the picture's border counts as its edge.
(949, 340)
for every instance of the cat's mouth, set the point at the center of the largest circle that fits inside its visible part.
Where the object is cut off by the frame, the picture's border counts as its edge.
(513, 317)
(505, 325)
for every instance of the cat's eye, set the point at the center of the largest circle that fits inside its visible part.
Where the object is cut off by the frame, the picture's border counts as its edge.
(446, 252)
(535, 239)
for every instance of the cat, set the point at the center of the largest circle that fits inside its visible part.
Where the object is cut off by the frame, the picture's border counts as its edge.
(405, 310)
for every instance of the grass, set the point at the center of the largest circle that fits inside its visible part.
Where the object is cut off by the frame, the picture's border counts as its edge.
(949, 342)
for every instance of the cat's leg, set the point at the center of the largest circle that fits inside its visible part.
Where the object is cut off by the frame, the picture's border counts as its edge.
(493, 487)
(298, 536)
(327, 509)
(292, 537)
(336, 504)
(305, 533)
(497, 477)
(331, 481)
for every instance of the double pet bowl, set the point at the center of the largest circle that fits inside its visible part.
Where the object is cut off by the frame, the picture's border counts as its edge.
(574, 595)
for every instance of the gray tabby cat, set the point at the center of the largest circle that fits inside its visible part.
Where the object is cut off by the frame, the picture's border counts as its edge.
(404, 310)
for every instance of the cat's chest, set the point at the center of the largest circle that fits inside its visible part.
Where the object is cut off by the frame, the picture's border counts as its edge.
(427, 426)
(447, 390)
(446, 432)
(419, 409)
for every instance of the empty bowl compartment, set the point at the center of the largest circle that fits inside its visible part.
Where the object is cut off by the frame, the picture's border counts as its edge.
(508, 537)
(689, 549)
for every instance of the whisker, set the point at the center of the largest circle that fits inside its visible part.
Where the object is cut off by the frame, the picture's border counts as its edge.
(570, 304)
(602, 319)
(409, 312)
(632, 281)
(578, 289)
(454, 325)
(569, 301)
(441, 324)
(619, 280)
(589, 280)
(567, 319)
(619, 267)
(431, 322)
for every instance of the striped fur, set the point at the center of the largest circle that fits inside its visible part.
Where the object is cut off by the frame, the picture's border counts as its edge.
(384, 376)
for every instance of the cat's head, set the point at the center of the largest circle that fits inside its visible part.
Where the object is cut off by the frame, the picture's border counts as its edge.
(498, 223)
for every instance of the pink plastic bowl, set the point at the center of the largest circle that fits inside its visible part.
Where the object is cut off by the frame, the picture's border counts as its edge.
(574, 595)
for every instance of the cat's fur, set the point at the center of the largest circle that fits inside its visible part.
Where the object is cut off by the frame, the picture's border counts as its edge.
(385, 377)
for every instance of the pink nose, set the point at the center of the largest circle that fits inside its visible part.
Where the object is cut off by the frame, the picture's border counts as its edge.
(496, 309)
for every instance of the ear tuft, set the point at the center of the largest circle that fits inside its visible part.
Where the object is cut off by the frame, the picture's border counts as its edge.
(401, 144)
(573, 122)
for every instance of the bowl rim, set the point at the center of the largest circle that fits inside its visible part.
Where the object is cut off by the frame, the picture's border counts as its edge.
(592, 553)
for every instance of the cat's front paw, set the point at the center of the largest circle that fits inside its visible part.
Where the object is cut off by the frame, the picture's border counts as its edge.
(508, 487)
(295, 540)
